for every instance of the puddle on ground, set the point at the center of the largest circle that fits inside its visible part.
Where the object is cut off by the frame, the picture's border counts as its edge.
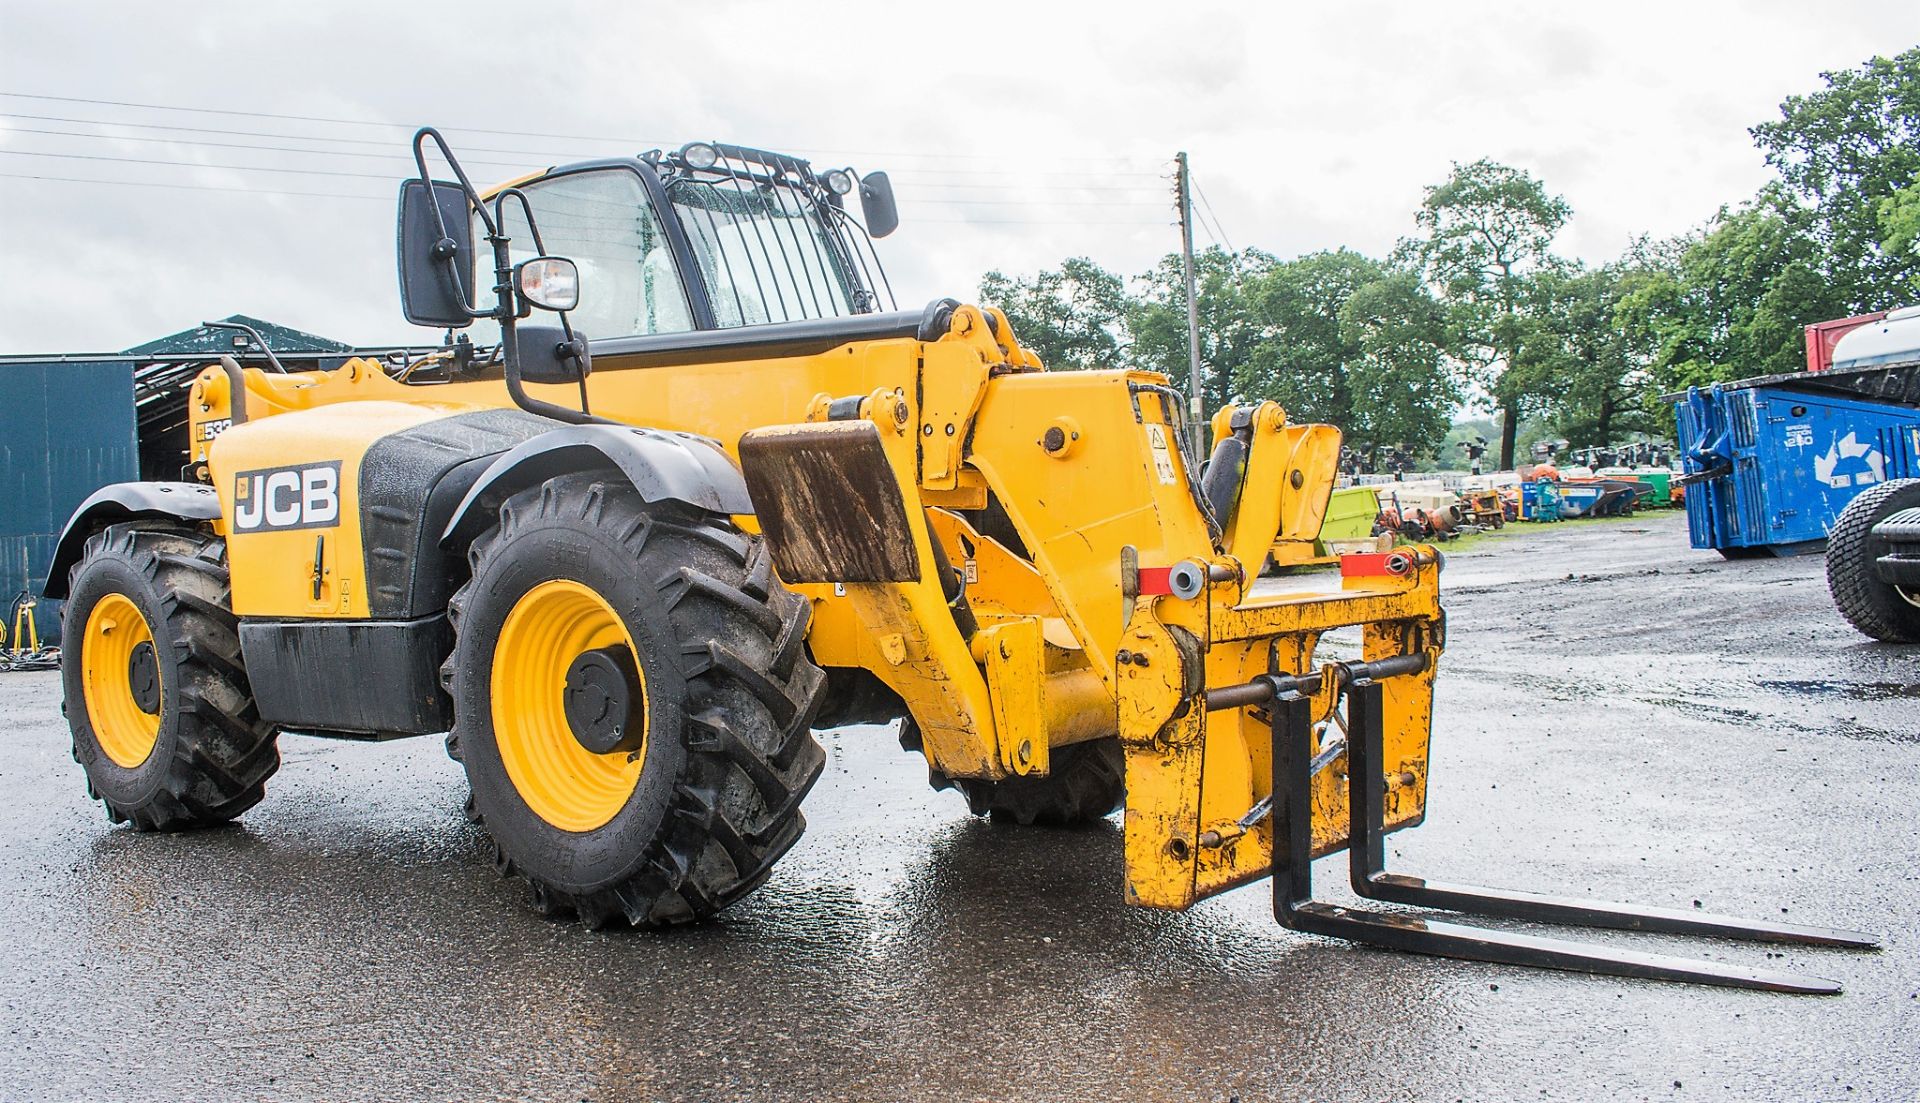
(1856, 691)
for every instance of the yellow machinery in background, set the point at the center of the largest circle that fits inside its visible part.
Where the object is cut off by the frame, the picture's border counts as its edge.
(629, 575)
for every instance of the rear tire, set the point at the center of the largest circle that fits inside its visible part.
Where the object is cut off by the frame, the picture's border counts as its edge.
(201, 755)
(1884, 612)
(1086, 782)
(729, 696)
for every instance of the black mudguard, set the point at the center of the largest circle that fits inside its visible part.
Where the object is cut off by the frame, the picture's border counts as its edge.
(662, 466)
(110, 505)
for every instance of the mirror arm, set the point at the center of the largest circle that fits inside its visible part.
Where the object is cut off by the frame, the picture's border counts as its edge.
(516, 387)
(439, 220)
(504, 293)
(446, 154)
(508, 304)
(533, 227)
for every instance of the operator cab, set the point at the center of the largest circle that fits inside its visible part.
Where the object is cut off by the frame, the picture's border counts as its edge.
(710, 245)
(709, 236)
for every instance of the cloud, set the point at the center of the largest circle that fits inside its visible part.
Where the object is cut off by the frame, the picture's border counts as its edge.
(1310, 127)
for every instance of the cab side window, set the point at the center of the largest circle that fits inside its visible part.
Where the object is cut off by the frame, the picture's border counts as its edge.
(601, 220)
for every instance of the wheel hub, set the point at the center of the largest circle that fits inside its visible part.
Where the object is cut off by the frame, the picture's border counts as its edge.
(599, 699)
(143, 677)
(555, 709)
(121, 680)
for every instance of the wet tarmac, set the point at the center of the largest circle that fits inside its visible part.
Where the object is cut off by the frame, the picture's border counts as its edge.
(1619, 715)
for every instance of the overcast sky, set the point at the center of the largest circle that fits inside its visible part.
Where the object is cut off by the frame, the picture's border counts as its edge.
(1018, 134)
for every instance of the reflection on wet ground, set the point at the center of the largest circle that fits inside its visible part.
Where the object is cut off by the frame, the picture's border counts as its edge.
(1666, 739)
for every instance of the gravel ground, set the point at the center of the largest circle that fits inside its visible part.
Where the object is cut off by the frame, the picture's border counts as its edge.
(1618, 715)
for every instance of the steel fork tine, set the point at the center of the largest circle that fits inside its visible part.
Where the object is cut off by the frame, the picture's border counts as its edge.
(1295, 908)
(1367, 864)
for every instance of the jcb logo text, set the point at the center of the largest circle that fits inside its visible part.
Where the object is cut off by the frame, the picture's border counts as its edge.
(305, 497)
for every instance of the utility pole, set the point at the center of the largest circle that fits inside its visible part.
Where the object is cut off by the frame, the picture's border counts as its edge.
(1183, 194)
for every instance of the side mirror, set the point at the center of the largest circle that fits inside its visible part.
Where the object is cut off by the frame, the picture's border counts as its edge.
(547, 355)
(876, 203)
(550, 283)
(435, 246)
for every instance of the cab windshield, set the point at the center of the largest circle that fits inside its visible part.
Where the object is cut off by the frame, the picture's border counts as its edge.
(772, 243)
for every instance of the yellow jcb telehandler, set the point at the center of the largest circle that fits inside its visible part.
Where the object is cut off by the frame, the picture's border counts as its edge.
(629, 577)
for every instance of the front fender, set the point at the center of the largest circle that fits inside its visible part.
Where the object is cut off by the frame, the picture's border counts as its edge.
(662, 466)
(119, 502)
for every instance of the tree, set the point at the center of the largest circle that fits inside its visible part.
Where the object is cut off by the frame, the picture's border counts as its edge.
(1482, 230)
(1848, 157)
(1579, 366)
(1403, 386)
(1230, 329)
(1075, 318)
(1304, 349)
(1900, 223)
(1334, 337)
(1731, 301)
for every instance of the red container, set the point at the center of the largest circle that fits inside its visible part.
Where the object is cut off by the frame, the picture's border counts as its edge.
(1822, 336)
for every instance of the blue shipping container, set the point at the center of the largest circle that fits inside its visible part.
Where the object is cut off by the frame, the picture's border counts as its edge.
(1788, 460)
(66, 430)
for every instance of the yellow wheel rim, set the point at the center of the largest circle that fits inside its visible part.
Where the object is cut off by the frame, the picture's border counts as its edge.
(126, 732)
(565, 784)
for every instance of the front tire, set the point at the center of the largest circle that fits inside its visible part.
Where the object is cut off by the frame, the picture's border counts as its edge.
(685, 809)
(157, 698)
(1883, 611)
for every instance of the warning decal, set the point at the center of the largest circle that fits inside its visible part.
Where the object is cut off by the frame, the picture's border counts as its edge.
(1162, 456)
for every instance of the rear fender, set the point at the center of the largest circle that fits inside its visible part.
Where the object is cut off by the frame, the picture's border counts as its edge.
(110, 505)
(662, 466)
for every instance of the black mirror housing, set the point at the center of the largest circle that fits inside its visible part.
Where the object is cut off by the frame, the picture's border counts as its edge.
(435, 254)
(877, 205)
(548, 355)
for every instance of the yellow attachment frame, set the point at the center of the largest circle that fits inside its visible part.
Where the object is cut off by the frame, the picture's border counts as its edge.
(1195, 774)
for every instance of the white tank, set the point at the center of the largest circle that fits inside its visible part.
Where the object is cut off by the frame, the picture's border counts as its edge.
(1894, 339)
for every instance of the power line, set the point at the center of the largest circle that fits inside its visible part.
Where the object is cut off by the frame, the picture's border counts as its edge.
(1033, 222)
(337, 173)
(193, 164)
(1132, 189)
(384, 143)
(631, 142)
(392, 155)
(1213, 231)
(1205, 227)
(1035, 203)
(548, 157)
(304, 118)
(191, 187)
(389, 199)
(1208, 204)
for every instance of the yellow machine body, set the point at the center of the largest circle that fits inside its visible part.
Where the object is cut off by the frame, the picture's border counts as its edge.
(1070, 644)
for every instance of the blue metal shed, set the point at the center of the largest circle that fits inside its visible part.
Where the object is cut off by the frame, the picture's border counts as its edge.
(66, 429)
(1773, 461)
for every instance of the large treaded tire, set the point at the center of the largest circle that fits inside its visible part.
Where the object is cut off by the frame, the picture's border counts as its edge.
(1085, 782)
(731, 695)
(1872, 606)
(212, 755)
